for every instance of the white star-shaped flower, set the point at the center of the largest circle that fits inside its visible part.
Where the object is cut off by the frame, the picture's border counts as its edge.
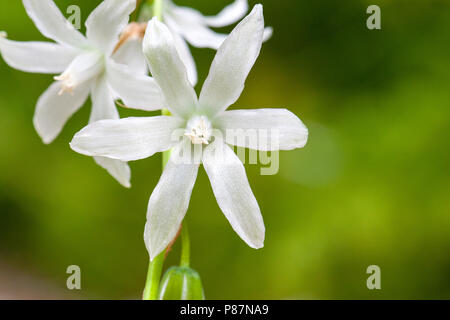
(87, 66)
(188, 24)
(198, 119)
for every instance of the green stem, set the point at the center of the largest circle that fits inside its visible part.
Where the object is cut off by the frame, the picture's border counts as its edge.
(139, 5)
(157, 9)
(185, 246)
(153, 278)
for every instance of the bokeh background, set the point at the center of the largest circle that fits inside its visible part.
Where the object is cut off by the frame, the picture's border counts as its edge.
(371, 187)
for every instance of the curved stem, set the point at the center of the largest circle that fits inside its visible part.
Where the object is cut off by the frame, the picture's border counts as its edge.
(185, 246)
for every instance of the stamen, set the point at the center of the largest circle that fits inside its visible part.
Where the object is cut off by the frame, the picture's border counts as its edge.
(68, 83)
(199, 130)
(83, 68)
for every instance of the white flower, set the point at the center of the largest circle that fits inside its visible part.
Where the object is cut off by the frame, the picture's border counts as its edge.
(138, 138)
(86, 66)
(188, 24)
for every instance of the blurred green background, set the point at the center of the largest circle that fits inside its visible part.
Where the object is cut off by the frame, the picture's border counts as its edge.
(371, 187)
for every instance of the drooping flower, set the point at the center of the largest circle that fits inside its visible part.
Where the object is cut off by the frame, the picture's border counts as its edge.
(199, 119)
(190, 25)
(87, 66)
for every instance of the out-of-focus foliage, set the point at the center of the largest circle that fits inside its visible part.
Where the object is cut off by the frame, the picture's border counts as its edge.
(371, 187)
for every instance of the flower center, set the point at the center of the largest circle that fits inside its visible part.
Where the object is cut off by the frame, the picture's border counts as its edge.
(199, 130)
(83, 68)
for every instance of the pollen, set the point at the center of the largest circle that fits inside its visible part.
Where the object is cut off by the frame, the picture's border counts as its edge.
(68, 83)
(199, 130)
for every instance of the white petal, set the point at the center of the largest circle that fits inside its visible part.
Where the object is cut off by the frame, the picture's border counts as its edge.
(233, 193)
(137, 91)
(229, 15)
(268, 33)
(168, 69)
(127, 139)
(86, 66)
(103, 107)
(263, 129)
(189, 23)
(52, 24)
(53, 110)
(186, 57)
(37, 57)
(119, 170)
(168, 203)
(232, 64)
(107, 21)
(130, 53)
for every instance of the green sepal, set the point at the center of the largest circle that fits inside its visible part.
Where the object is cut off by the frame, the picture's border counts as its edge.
(181, 283)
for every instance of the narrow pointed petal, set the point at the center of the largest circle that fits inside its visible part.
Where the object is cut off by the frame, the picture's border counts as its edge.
(107, 21)
(232, 64)
(229, 15)
(119, 170)
(268, 33)
(233, 193)
(36, 57)
(169, 202)
(127, 139)
(189, 23)
(130, 54)
(53, 110)
(263, 129)
(137, 91)
(52, 24)
(103, 107)
(168, 69)
(186, 57)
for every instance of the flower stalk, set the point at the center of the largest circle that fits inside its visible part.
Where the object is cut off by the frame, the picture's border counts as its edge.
(185, 247)
(153, 278)
(136, 13)
(157, 9)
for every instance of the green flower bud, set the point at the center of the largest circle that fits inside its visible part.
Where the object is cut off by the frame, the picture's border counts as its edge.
(181, 283)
